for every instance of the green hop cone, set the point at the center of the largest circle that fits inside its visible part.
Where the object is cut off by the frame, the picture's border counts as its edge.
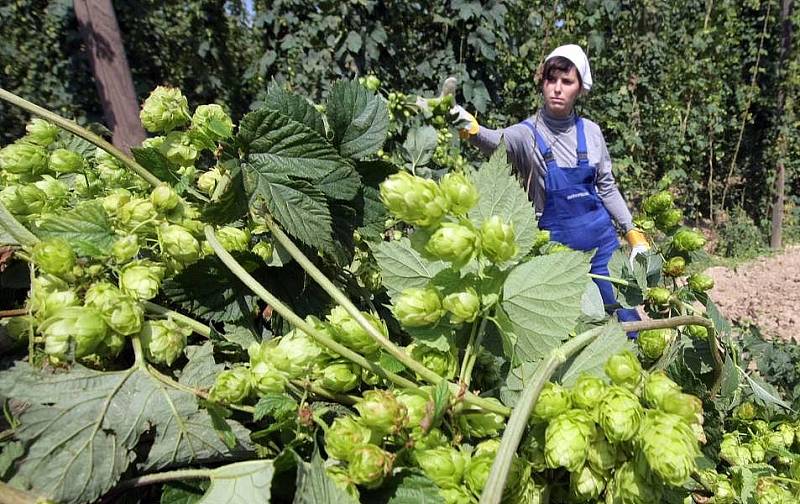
(746, 411)
(444, 465)
(141, 279)
(669, 219)
(541, 238)
(463, 306)
(723, 491)
(125, 248)
(264, 250)
(686, 406)
(423, 441)
(630, 486)
(477, 472)
(345, 435)
(442, 363)
(413, 199)
(153, 142)
(266, 379)
(136, 214)
(532, 448)
(498, 241)
(699, 282)
(760, 426)
(66, 161)
(460, 193)
(453, 243)
(53, 302)
(669, 446)
(644, 223)
(381, 411)
(567, 438)
(730, 450)
(341, 376)
(480, 423)
(350, 333)
(164, 110)
(675, 266)
(232, 386)
(553, 400)
(55, 190)
(234, 239)
(653, 342)
(179, 244)
(758, 452)
(82, 325)
(657, 387)
(163, 341)
(787, 431)
(416, 403)
(164, 198)
(179, 148)
(657, 203)
(771, 492)
(416, 307)
(697, 331)
(54, 256)
(115, 199)
(212, 123)
(658, 296)
(125, 316)
(586, 484)
(41, 132)
(341, 479)
(369, 465)
(602, 456)
(686, 240)
(587, 392)
(23, 158)
(619, 414)
(624, 370)
(207, 181)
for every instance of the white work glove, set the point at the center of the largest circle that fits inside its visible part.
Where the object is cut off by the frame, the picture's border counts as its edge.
(465, 122)
(638, 243)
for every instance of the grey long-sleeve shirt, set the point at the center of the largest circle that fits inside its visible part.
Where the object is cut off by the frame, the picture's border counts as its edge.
(561, 137)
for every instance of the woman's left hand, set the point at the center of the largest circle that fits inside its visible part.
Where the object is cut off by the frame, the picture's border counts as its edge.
(638, 243)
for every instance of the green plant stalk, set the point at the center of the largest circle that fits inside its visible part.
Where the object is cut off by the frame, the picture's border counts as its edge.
(496, 482)
(390, 347)
(166, 380)
(643, 325)
(326, 394)
(610, 279)
(77, 130)
(293, 318)
(196, 326)
(164, 477)
(468, 351)
(474, 357)
(17, 231)
(348, 305)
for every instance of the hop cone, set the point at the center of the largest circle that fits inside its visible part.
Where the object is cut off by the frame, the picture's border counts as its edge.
(23, 158)
(498, 239)
(54, 256)
(163, 340)
(41, 132)
(657, 386)
(164, 110)
(416, 307)
(444, 363)
(658, 296)
(624, 370)
(629, 486)
(675, 266)
(341, 479)
(669, 446)
(481, 423)
(232, 386)
(587, 391)
(381, 411)
(619, 414)
(66, 161)
(657, 203)
(700, 282)
(212, 123)
(653, 342)
(416, 403)
(453, 243)
(567, 439)
(413, 199)
(463, 306)
(341, 376)
(603, 456)
(369, 465)
(344, 435)
(460, 193)
(553, 400)
(444, 465)
(82, 324)
(670, 219)
(350, 333)
(586, 484)
(687, 240)
(686, 406)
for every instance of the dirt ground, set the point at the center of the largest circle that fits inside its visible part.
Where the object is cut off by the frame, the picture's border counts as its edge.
(765, 291)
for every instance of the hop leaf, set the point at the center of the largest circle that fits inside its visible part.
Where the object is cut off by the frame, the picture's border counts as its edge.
(164, 110)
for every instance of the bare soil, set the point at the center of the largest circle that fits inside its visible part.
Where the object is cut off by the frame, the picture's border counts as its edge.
(765, 292)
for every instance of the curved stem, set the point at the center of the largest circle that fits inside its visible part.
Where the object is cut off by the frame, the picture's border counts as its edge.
(15, 229)
(474, 357)
(197, 326)
(496, 482)
(643, 325)
(342, 299)
(468, 351)
(166, 380)
(153, 479)
(138, 352)
(78, 130)
(294, 319)
(610, 279)
(354, 312)
(326, 394)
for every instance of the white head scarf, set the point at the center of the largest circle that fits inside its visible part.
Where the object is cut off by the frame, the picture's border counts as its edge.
(575, 54)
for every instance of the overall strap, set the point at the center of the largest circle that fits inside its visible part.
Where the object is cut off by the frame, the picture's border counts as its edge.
(541, 144)
(581, 152)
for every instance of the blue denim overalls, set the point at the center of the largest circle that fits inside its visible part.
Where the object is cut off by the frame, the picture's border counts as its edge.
(575, 215)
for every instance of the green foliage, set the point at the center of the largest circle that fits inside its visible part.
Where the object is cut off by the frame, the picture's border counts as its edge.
(739, 237)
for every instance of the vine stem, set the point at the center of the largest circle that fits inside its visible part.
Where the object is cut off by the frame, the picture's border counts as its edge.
(293, 318)
(643, 325)
(15, 229)
(197, 326)
(354, 312)
(610, 279)
(82, 132)
(166, 380)
(496, 482)
(474, 356)
(342, 299)
(468, 351)
(164, 477)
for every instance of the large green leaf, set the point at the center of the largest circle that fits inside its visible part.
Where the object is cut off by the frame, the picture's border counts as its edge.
(542, 298)
(314, 486)
(210, 291)
(590, 360)
(342, 183)
(419, 146)
(86, 227)
(300, 208)
(500, 193)
(201, 371)
(232, 203)
(403, 267)
(358, 118)
(408, 486)
(241, 483)
(295, 107)
(82, 427)
(155, 162)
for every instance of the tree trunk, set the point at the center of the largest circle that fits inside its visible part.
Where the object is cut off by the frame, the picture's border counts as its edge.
(100, 32)
(776, 237)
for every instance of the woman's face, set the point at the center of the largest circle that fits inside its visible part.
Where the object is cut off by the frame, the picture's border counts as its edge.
(560, 92)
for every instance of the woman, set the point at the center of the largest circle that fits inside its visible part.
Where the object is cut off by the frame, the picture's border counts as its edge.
(564, 165)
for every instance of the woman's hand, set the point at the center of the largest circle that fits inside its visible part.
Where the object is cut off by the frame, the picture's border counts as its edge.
(638, 243)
